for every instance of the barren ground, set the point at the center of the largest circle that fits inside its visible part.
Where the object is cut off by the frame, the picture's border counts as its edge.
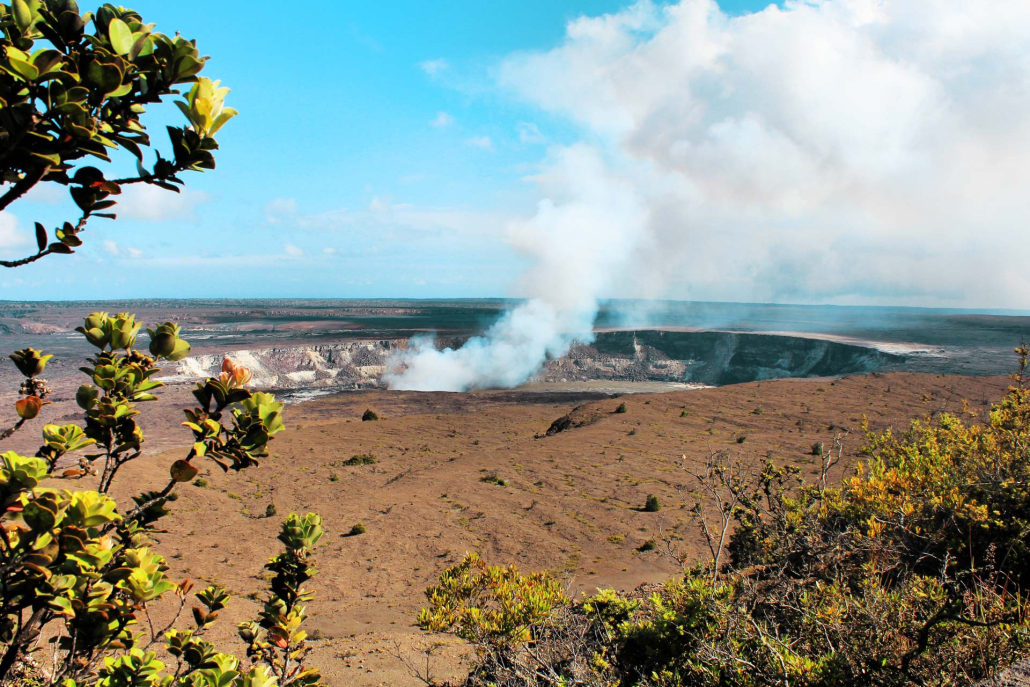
(570, 503)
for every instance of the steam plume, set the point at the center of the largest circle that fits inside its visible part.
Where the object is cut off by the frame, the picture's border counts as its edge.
(844, 151)
(584, 231)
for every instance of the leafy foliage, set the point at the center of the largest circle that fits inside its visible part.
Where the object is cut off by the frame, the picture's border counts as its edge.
(489, 605)
(74, 87)
(276, 640)
(79, 572)
(524, 628)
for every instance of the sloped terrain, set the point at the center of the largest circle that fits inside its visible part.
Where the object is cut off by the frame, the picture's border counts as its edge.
(476, 472)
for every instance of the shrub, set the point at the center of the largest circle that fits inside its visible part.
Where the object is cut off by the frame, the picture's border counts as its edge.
(357, 529)
(270, 510)
(649, 545)
(493, 478)
(652, 505)
(622, 408)
(75, 563)
(817, 448)
(200, 482)
(496, 606)
(369, 416)
(523, 627)
(360, 459)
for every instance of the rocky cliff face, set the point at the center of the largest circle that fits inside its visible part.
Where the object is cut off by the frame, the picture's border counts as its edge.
(351, 365)
(715, 358)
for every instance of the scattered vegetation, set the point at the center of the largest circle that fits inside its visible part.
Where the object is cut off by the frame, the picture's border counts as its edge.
(493, 478)
(360, 459)
(911, 571)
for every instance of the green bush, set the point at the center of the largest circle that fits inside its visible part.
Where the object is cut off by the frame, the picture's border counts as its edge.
(652, 505)
(76, 565)
(369, 416)
(622, 408)
(357, 529)
(360, 459)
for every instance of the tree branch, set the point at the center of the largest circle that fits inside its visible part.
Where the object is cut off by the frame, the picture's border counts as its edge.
(24, 186)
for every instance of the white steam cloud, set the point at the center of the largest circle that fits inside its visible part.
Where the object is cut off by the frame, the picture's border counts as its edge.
(846, 151)
(580, 236)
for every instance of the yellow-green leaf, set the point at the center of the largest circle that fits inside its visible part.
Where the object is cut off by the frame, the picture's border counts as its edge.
(121, 36)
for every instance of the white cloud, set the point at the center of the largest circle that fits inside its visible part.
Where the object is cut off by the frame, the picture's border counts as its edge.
(442, 120)
(280, 210)
(152, 204)
(328, 251)
(111, 248)
(434, 67)
(529, 133)
(481, 142)
(387, 225)
(11, 234)
(844, 150)
(135, 253)
(293, 251)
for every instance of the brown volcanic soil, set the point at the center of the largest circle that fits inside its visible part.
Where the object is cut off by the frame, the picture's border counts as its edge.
(570, 502)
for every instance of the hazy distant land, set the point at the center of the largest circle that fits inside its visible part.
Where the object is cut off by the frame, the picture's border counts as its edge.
(344, 344)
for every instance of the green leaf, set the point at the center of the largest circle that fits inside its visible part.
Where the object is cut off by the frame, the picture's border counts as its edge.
(52, 158)
(20, 68)
(181, 471)
(121, 36)
(142, 47)
(227, 114)
(46, 60)
(22, 14)
(126, 89)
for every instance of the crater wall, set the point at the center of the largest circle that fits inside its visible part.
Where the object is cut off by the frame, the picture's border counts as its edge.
(714, 358)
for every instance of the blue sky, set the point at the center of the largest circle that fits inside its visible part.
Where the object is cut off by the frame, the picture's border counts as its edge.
(471, 149)
(340, 110)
